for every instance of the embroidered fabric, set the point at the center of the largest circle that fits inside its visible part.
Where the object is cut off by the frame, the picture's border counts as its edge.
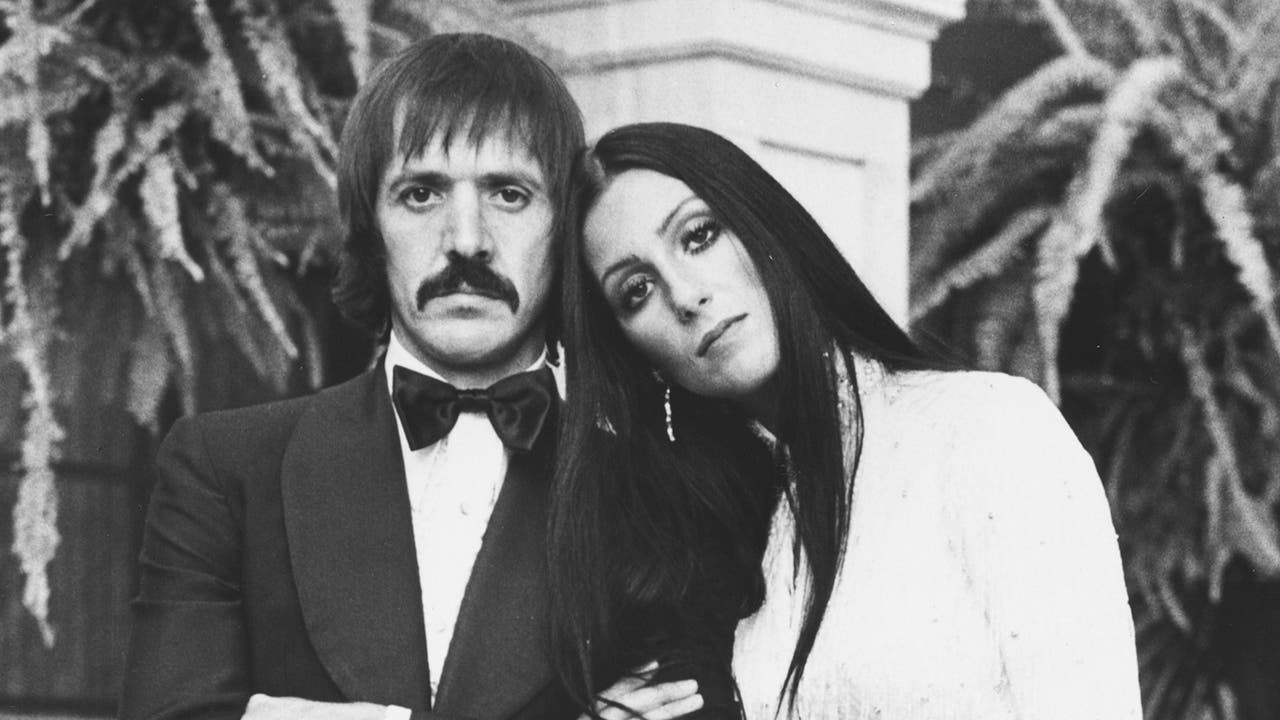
(982, 576)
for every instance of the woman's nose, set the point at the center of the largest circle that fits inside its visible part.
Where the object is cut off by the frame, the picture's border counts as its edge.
(688, 297)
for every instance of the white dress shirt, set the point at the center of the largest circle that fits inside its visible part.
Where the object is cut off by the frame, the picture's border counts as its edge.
(453, 485)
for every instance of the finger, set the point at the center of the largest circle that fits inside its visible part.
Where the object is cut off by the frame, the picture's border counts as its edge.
(676, 709)
(636, 678)
(624, 711)
(627, 685)
(652, 697)
(648, 668)
(669, 711)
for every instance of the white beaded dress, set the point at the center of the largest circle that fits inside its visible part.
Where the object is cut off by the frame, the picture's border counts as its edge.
(982, 576)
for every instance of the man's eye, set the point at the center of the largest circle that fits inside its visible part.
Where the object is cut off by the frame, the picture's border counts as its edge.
(418, 195)
(701, 236)
(512, 197)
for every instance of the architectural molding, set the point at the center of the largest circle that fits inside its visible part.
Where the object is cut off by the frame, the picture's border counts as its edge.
(413, 18)
(813, 152)
(740, 53)
(841, 42)
(921, 19)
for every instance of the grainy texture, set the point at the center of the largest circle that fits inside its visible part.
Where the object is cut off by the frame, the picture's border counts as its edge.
(982, 577)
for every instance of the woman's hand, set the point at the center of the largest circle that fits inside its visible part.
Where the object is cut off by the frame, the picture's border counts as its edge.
(633, 698)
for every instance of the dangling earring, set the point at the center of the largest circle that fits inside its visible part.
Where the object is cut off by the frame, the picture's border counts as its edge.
(666, 405)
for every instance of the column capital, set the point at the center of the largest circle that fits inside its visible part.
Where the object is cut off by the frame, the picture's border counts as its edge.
(844, 42)
(399, 22)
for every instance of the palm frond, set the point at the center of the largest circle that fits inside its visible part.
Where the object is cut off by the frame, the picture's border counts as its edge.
(150, 371)
(171, 312)
(238, 247)
(353, 18)
(28, 334)
(1020, 106)
(1256, 66)
(122, 132)
(1078, 228)
(1062, 28)
(159, 193)
(226, 296)
(1146, 32)
(220, 98)
(1224, 202)
(146, 141)
(988, 260)
(21, 57)
(280, 74)
(1235, 521)
(1167, 333)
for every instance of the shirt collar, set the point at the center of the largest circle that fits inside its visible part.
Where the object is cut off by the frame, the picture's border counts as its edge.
(398, 354)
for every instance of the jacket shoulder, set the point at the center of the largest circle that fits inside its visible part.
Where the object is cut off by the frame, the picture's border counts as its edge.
(262, 430)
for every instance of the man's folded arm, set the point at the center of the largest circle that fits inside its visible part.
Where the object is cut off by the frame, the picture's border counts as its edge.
(188, 653)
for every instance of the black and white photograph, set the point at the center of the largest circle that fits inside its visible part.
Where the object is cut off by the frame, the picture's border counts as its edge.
(639, 359)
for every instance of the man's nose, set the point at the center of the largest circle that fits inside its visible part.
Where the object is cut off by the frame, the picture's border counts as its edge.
(466, 232)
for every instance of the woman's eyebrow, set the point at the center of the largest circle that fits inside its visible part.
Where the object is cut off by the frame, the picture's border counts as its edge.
(622, 263)
(666, 222)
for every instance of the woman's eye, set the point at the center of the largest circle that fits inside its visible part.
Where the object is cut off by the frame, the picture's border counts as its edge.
(512, 197)
(634, 292)
(701, 236)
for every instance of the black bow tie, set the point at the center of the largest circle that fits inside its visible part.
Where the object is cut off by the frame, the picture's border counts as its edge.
(517, 406)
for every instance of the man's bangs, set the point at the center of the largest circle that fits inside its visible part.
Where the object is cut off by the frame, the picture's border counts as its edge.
(424, 120)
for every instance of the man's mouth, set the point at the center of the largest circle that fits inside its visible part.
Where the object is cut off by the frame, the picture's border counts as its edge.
(714, 333)
(465, 289)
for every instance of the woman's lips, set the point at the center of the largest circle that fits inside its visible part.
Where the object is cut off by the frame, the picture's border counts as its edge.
(714, 333)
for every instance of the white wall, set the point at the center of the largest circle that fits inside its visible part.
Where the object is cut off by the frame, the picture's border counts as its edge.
(816, 90)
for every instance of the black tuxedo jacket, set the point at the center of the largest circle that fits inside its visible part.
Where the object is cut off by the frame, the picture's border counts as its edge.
(279, 558)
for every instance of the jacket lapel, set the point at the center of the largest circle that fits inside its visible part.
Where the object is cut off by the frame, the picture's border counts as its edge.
(347, 518)
(499, 658)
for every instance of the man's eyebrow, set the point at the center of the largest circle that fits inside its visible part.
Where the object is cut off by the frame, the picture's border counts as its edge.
(511, 177)
(622, 263)
(420, 177)
(662, 229)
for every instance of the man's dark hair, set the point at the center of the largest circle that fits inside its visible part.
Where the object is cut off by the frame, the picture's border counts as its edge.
(438, 87)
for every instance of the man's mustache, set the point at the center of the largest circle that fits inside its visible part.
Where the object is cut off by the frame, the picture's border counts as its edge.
(477, 276)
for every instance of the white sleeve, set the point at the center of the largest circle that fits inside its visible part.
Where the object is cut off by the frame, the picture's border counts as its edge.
(1041, 545)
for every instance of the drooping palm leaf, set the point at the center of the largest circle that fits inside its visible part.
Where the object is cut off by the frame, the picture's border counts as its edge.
(1152, 288)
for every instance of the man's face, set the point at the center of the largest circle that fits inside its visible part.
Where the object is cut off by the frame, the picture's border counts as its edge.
(469, 255)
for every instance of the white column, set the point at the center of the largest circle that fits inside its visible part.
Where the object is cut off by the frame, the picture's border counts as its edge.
(815, 90)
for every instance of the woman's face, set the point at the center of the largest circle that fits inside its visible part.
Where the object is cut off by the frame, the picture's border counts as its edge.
(682, 287)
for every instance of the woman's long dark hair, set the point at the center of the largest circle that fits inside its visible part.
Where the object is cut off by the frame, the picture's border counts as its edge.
(628, 501)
